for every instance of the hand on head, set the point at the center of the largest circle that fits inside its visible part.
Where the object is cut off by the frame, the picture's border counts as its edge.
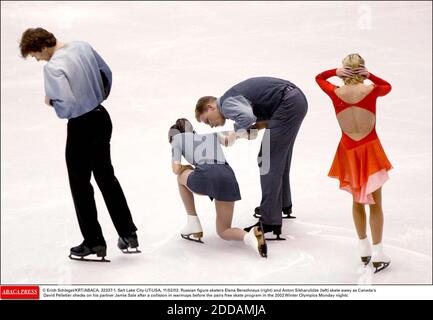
(347, 72)
(362, 71)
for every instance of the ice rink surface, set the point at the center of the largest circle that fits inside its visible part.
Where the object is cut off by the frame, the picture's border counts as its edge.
(164, 56)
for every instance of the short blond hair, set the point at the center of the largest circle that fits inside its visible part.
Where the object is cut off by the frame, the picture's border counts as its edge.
(353, 61)
(200, 107)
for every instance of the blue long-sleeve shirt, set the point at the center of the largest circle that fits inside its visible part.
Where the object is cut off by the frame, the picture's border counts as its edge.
(239, 110)
(76, 79)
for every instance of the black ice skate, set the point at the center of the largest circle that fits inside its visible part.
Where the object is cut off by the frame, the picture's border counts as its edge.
(80, 252)
(129, 242)
(275, 229)
(286, 214)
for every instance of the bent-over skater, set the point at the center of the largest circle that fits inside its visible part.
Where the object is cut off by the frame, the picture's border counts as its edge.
(257, 103)
(77, 80)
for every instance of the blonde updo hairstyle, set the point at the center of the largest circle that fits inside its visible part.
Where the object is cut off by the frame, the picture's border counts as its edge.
(353, 61)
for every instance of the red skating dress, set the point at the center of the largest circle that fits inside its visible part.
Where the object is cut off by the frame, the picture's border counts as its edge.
(361, 166)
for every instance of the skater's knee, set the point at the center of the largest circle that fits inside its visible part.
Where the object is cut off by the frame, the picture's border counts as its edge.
(221, 232)
(358, 207)
(376, 209)
(222, 236)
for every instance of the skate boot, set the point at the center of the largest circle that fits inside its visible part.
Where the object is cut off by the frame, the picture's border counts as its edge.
(286, 214)
(131, 241)
(256, 239)
(379, 259)
(275, 229)
(257, 213)
(192, 230)
(80, 252)
(365, 250)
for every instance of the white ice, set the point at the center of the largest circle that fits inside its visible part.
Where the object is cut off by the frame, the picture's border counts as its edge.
(164, 56)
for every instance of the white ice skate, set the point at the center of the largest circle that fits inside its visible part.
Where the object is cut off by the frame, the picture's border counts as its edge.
(379, 259)
(192, 230)
(255, 238)
(365, 250)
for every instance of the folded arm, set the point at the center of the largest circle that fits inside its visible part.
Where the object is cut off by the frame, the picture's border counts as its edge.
(58, 92)
(322, 80)
(383, 87)
(106, 75)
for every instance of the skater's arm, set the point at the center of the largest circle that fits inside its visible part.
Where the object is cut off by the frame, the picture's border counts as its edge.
(260, 125)
(239, 110)
(178, 168)
(324, 84)
(106, 75)
(227, 138)
(382, 86)
(249, 134)
(176, 163)
(59, 92)
(252, 132)
(48, 101)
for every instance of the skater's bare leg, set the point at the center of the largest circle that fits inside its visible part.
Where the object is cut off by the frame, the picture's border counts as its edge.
(376, 217)
(193, 229)
(224, 216)
(186, 194)
(360, 219)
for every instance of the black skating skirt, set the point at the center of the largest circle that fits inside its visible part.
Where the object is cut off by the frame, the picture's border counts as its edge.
(218, 181)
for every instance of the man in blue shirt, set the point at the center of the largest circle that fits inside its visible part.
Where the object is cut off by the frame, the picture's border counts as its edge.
(258, 103)
(77, 80)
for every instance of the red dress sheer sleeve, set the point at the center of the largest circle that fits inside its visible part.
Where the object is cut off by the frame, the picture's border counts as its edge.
(382, 87)
(323, 83)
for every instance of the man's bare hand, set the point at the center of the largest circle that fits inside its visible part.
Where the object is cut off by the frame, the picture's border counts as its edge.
(227, 138)
(362, 71)
(345, 72)
(260, 125)
(48, 101)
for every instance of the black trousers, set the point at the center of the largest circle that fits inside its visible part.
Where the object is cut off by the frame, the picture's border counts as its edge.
(275, 155)
(87, 152)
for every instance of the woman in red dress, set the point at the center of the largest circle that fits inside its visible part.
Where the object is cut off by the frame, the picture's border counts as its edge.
(360, 163)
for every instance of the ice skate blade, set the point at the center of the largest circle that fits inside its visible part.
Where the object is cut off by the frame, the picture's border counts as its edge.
(258, 216)
(88, 260)
(379, 266)
(288, 217)
(278, 238)
(366, 260)
(127, 251)
(188, 237)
